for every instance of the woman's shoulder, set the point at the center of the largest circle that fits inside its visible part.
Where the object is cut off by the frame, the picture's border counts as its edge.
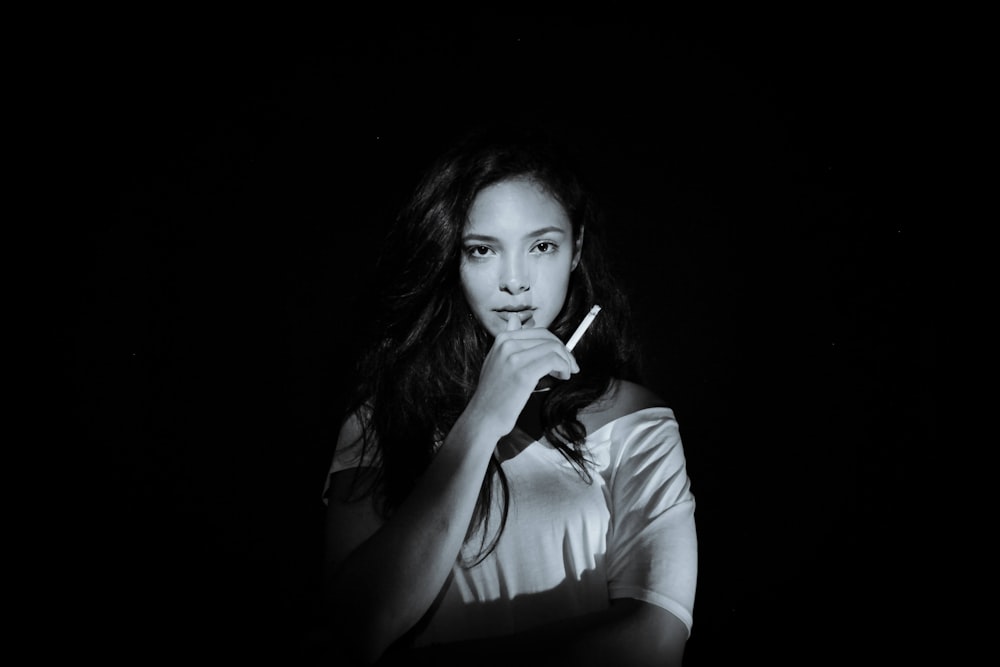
(354, 422)
(354, 442)
(623, 398)
(352, 426)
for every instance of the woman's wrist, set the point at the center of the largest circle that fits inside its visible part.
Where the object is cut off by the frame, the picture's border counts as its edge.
(477, 424)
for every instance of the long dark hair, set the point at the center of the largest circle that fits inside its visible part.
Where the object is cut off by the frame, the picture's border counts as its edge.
(422, 360)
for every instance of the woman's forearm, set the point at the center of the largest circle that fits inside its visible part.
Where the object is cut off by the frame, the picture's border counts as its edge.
(388, 582)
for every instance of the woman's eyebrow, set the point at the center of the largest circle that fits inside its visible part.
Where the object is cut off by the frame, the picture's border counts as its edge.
(530, 235)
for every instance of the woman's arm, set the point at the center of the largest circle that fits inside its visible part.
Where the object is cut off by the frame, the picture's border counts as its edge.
(383, 577)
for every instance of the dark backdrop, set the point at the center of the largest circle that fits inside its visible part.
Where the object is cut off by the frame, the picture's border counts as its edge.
(754, 181)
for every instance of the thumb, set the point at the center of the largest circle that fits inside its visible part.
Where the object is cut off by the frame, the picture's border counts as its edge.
(513, 322)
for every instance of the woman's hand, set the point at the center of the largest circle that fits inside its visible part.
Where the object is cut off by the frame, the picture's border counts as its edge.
(518, 359)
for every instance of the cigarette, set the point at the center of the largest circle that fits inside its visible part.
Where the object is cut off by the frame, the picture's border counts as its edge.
(575, 338)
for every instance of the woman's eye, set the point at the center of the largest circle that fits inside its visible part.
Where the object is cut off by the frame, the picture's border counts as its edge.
(545, 247)
(478, 251)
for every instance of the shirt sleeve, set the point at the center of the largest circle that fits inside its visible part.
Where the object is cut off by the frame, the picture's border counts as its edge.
(652, 542)
(349, 453)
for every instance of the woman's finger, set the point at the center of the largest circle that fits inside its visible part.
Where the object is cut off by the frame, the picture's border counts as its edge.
(545, 360)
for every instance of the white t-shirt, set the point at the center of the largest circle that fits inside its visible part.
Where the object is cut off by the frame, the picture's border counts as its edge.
(569, 546)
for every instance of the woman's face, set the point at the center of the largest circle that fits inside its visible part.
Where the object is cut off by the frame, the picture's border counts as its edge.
(517, 254)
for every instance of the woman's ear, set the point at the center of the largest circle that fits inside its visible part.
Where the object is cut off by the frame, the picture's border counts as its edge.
(577, 249)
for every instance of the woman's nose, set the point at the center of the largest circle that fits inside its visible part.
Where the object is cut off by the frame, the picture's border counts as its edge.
(514, 285)
(516, 280)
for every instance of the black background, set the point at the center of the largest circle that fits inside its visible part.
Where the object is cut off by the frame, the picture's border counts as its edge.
(755, 181)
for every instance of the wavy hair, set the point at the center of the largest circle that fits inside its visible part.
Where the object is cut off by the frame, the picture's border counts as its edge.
(421, 362)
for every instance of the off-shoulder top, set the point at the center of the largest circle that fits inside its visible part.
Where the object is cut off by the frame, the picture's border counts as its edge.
(570, 546)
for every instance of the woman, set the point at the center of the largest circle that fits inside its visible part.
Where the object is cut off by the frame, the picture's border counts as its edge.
(493, 493)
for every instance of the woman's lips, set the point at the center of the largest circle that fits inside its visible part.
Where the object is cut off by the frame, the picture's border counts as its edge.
(523, 315)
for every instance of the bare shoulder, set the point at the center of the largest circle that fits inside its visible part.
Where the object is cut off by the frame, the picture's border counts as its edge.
(623, 398)
(629, 396)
